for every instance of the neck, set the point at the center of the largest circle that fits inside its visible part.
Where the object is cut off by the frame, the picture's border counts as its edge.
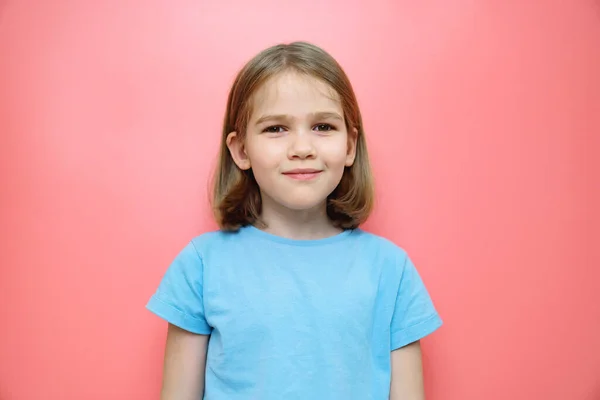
(297, 224)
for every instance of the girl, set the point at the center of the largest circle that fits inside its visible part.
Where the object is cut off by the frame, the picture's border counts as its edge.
(289, 299)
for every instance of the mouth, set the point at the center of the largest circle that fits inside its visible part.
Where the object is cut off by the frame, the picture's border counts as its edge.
(303, 174)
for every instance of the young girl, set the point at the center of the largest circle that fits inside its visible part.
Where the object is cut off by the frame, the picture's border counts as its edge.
(290, 299)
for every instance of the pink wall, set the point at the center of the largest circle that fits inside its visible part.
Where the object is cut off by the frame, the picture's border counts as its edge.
(483, 120)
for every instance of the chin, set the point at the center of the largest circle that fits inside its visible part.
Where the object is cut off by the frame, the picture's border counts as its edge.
(304, 204)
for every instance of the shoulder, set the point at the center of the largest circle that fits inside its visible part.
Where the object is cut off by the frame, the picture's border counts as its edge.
(197, 251)
(219, 244)
(212, 241)
(381, 245)
(380, 253)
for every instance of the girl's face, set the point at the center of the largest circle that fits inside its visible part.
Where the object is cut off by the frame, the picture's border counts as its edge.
(296, 143)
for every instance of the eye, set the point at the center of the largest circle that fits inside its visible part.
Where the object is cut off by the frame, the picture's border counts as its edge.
(273, 129)
(324, 127)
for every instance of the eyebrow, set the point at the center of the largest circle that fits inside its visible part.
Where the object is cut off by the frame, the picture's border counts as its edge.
(283, 117)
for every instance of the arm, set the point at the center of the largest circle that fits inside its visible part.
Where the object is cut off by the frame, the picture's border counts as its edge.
(184, 365)
(407, 373)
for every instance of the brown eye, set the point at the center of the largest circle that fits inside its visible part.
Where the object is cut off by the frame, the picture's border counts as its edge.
(324, 127)
(273, 129)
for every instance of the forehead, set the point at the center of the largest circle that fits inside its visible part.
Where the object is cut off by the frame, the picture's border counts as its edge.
(296, 95)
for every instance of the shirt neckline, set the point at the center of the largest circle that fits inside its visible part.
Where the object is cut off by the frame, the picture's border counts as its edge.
(254, 231)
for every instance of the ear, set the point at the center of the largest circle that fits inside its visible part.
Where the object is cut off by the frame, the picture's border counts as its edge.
(351, 153)
(238, 151)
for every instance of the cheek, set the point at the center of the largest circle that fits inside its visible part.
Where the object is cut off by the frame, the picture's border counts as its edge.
(335, 152)
(264, 154)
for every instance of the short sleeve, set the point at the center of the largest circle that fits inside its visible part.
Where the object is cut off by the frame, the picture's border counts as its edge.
(178, 299)
(414, 314)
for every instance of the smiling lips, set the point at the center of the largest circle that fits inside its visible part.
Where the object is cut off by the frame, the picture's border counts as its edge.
(303, 174)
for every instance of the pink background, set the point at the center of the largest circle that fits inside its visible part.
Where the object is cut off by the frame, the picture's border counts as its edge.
(483, 120)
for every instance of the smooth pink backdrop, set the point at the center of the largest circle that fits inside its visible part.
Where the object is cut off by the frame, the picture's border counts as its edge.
(483, 120)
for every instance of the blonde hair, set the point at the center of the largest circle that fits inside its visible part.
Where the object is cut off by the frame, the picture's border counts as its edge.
(236, 196)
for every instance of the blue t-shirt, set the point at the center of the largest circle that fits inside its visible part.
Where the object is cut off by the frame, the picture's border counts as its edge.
(296, 319)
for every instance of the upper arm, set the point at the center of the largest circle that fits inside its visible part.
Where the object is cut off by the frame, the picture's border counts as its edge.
(407, 373)
(414, 315)
(179, 300)
(184, 365)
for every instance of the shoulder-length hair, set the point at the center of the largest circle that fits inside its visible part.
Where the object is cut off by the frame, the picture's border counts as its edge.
(236, 199)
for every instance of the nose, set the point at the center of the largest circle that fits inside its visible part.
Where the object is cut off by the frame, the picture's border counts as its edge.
(301, 146)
